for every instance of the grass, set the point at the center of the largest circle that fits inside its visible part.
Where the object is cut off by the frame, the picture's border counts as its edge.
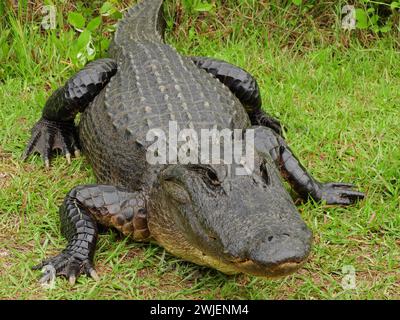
(338, 97)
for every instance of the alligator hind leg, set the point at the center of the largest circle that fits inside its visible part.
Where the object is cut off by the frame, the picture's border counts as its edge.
(83, 208)
(268, 142)
(56, 129)
(243, 85)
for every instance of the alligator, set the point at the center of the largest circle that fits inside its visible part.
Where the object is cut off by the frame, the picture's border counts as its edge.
(198, 212)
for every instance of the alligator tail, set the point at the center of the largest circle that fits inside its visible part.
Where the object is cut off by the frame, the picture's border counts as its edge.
(142, 22)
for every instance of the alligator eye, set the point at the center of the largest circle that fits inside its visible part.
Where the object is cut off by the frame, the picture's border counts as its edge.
(207, 173)
(176, 191)
(212, 177)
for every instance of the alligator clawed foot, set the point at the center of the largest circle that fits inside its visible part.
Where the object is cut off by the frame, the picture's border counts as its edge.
(266, 120)
(67, 264)
(274, 124)
(50, 135)
(339, 193)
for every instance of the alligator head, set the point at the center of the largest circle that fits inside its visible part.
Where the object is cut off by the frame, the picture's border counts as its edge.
(235, 224)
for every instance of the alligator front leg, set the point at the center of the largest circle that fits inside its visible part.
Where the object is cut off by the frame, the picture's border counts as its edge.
(83, 208)
(56, 129)
(244, 86)
(268, 142)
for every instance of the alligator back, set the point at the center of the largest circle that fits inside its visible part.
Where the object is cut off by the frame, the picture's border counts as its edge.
(153, 86)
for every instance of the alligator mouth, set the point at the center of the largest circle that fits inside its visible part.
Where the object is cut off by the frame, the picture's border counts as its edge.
(272, 271)
(269, 270)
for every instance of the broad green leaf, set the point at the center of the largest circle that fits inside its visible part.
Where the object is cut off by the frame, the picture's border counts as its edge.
(76, 20)
(106, 9)
(395, 5)
(187, 4)
(105, 43)
(203, 7)
(375, 28)
(94, 24)
(374, 19)
(362, 19)
(116, 15)
(84, 39)
(385, 29)
(297, 2)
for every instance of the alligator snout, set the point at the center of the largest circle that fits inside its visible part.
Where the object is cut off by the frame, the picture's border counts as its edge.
(278, 254)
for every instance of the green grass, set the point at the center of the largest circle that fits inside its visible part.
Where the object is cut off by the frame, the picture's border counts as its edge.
(341, 105)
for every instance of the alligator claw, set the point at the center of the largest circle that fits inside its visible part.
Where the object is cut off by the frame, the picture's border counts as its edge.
(49, 275)
(50, 135)
(94, 275)
(339, 193)
(67, 264)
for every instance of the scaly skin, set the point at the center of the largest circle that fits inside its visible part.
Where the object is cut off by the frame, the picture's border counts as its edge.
(200, 213)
